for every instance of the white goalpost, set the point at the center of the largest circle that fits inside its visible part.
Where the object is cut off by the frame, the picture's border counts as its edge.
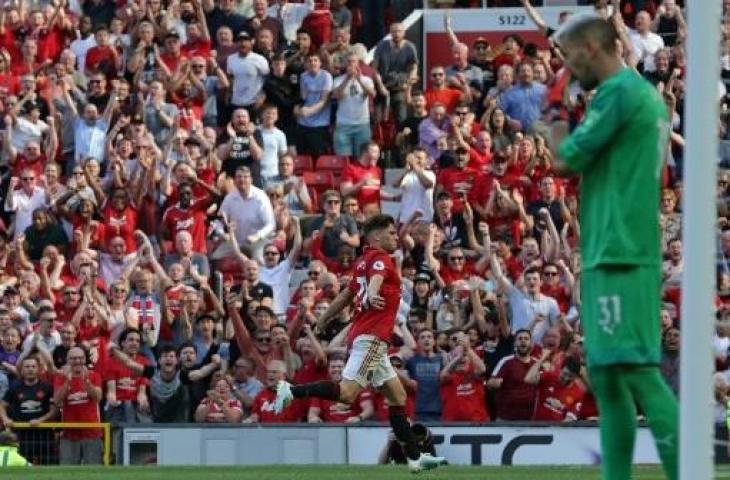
(696, 424)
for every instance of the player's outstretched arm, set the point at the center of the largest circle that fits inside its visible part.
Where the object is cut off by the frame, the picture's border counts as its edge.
(342, 300)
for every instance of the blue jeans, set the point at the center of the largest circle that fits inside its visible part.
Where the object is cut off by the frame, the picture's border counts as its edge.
(348, 139)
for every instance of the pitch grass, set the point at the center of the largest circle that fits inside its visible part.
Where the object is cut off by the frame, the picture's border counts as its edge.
(296, 472)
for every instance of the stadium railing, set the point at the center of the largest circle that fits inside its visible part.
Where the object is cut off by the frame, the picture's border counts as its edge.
(46, 445)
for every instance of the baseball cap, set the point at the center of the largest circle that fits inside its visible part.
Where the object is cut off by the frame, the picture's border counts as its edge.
(137, 118)
(481, 41)
(172, 34)
(10, 291)
(422, 277)
(243, 35)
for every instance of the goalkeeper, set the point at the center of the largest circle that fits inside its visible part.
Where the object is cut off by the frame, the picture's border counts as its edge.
(618, 150)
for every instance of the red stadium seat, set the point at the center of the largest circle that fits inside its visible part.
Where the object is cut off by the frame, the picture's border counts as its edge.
(303, 163)
(332, 163)
(319, 181)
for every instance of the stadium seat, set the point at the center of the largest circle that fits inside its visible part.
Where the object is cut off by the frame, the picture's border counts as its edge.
(319, 181)
(332, 163)
(303, 163)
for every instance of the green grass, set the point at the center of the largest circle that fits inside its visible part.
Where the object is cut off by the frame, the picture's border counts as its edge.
(279, 472)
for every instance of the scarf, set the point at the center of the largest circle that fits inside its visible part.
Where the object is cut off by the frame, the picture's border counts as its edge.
(163, 390)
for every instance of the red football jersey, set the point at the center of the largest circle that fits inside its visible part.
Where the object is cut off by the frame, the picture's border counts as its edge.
(456, 180)
(263, 406)
(120, 224)
(335, 412)
(463, 397)
(190, 219)
(78, 407)
(554, 399)
(368, 320)
(127, 383)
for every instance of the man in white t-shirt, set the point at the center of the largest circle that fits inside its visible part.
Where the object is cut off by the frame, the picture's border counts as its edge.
(353, 92)
(248, 71)
(24, 200)
(274, 142)
(645, 42)
(276, 274)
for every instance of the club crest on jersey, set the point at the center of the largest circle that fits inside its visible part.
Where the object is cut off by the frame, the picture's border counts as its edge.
(378, 265)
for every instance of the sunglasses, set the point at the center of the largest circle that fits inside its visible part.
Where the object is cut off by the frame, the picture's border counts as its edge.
(437, 74)
(94, 82)
(463, 112)
(456, 259)
(313, 273)
(550, 274)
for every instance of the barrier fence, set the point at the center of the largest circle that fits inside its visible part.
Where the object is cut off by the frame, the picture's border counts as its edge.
(39, 444)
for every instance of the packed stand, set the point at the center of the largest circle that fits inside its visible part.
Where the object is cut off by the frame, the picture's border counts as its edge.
(184, 185)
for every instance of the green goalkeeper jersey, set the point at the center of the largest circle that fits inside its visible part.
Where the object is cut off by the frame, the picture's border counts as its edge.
(618, 149)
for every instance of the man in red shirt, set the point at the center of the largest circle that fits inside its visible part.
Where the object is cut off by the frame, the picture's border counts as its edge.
(198, 37)
(329, 411)
(126, 394)
(262, 410)
(459, 180)
(173, 52)
(187, 215)
(363, 178)
(103, 57)
(515, 397)
(448, 95)
(462, 385)
(78, 393)
(558, 392)
(375, 290)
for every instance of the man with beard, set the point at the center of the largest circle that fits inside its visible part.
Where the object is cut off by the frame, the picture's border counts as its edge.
(170, 396)
(30, 400)
(515, 397)
(241, 145)
(188, 215)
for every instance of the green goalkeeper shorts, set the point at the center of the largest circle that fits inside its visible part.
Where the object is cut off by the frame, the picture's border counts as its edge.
(620, 314)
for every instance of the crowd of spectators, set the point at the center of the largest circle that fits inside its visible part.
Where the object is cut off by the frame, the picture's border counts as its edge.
(184, 183)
